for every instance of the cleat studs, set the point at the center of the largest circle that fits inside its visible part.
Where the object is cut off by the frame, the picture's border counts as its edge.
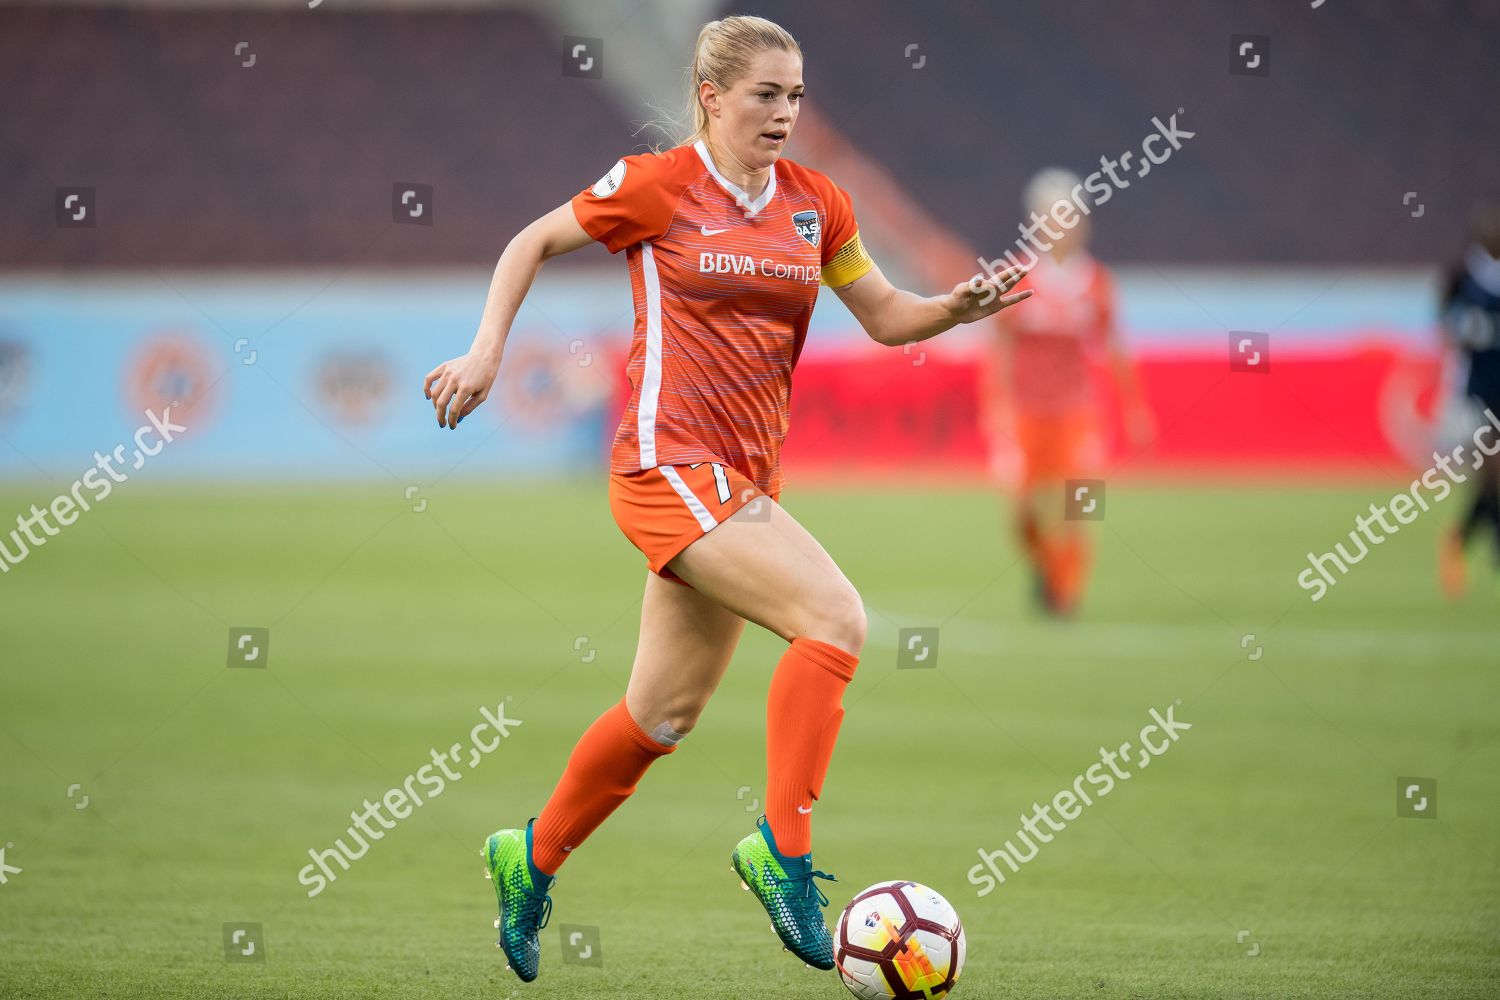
(497, 923)
(744, 886)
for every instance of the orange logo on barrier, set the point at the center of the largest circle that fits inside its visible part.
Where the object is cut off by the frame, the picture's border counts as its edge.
(172, 370)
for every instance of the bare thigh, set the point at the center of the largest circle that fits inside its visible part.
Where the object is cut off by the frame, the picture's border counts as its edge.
(687, 641)
(774, 573)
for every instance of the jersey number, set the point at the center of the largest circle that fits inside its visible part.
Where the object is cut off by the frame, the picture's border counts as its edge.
(720, 480)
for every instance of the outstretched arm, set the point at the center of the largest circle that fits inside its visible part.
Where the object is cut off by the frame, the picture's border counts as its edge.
(457, 387)
(893, 317)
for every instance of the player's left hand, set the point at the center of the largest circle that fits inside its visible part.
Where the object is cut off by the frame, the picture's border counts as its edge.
(457, 387)
(980, 296)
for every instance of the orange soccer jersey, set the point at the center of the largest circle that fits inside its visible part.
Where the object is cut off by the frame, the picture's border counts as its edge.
(1056, 333)
(1050, 392)
(724, 287)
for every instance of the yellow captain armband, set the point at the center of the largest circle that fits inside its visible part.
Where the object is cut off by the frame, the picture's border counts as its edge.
(850, 263)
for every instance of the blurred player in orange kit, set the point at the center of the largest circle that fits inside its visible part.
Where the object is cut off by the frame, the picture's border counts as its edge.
(1040, 400)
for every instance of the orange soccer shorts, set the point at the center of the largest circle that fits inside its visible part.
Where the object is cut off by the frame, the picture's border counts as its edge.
(664, 510)
(1058, 446)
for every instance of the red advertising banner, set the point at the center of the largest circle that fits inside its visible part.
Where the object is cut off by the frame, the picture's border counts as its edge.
(1357, 410)
(1363, 410)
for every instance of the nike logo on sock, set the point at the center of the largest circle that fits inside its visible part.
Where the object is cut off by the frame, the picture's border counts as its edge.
(805, 811)
(567, 849)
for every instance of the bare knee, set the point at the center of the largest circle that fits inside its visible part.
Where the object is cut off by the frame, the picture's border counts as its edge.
(667, 719)
(839, 621)
(679, 717)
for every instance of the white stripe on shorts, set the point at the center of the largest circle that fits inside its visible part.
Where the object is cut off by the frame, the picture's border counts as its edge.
(705, 519)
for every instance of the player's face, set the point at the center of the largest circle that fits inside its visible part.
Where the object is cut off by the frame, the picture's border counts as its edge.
(1077, 238)
(760, 111)
(1069, 240)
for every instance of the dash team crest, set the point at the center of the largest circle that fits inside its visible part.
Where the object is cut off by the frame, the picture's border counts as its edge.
(808, 226)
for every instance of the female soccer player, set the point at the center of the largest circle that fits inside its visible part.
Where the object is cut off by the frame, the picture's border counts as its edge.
(1040, 397)
(727, 242)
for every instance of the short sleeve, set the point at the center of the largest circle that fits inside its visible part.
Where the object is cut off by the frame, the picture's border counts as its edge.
(844, 256)
(631, 204)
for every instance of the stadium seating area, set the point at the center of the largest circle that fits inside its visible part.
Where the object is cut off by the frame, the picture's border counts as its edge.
(1309, 164)
(199, 157)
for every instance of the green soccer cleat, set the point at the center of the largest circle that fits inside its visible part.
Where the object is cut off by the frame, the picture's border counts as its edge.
(786, 889)
(521, 889)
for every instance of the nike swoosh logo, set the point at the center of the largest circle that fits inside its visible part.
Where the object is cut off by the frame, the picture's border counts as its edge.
(567, 849)
(804, 811)
(711, 232)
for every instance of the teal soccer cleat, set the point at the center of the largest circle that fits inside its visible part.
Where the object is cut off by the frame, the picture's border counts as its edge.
(786, 889)
(521, 889)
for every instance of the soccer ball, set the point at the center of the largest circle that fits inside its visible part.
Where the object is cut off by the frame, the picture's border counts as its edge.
(899, 940)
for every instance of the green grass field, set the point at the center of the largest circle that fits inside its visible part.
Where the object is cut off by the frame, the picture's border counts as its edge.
(1275, 816)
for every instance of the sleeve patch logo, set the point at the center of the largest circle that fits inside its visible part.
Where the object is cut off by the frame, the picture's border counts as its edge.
(610, 182)
(808, 226)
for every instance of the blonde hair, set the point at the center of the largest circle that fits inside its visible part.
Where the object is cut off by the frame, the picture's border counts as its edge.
(722, 56)
(1047, 188)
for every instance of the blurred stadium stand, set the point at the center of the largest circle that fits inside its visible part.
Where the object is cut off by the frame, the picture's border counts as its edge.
(1293, 167)
(199, 160)
(244, 154)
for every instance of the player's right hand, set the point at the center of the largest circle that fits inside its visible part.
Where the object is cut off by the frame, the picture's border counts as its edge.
(980, 296)
(457, 387)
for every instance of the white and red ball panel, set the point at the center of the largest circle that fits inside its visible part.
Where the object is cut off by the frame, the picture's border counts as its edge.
(899, 941)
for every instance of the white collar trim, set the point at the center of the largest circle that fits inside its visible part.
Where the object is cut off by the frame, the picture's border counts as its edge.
(751, 208)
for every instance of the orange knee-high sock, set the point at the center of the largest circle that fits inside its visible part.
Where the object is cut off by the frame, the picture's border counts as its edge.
(1030, 532)
(602, 772)
(803, 715)
(1073, 568)
(1054, 561)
